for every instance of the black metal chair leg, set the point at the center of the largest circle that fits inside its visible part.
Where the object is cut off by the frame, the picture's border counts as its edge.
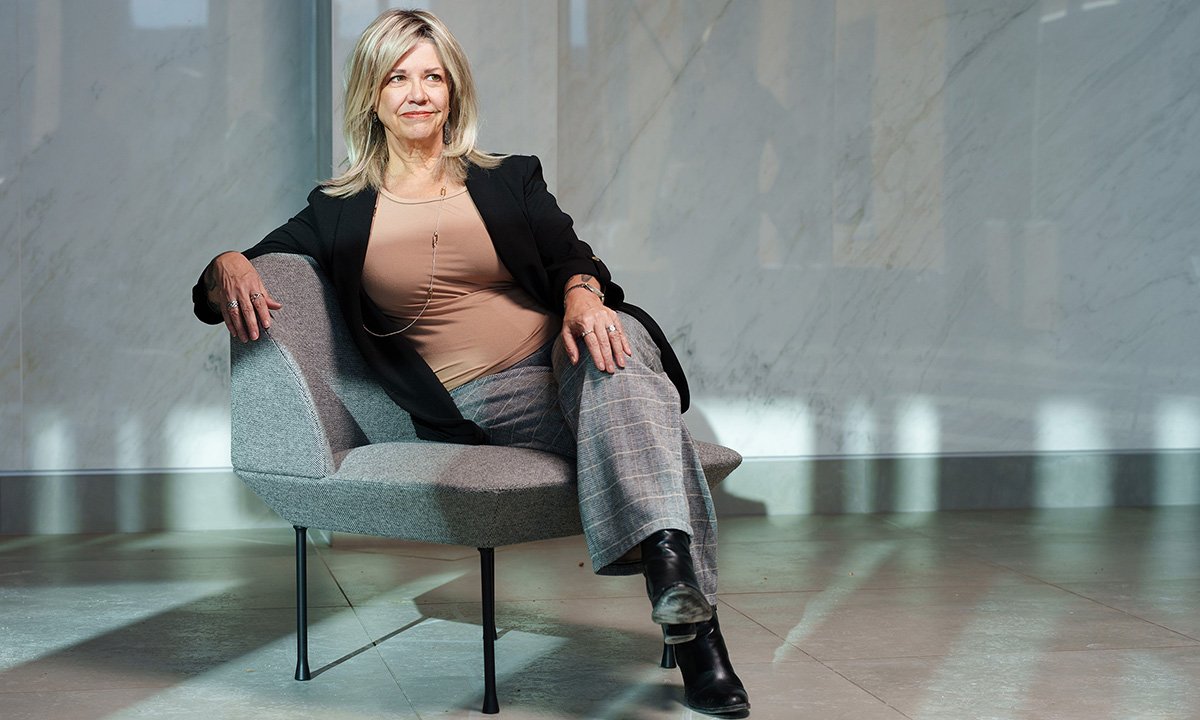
(487, 561)
(668, 658)
(302, 672)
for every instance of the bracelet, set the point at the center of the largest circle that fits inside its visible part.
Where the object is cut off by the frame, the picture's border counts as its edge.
(585, 286)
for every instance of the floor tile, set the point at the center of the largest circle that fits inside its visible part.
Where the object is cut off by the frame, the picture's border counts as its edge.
(1111, 558)
(820, 564)
(575, 656)
(1144, 684)
(89, 586)
(146, 546)
(782, 528)
(809, 690)
(214, 665)
(867, 623)
(1173, 604)
(159, 649)
(1039, 523)
(532, 571)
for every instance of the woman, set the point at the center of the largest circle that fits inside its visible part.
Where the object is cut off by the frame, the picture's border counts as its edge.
(466, 289)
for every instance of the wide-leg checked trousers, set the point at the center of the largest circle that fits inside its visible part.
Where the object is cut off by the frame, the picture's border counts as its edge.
(636, 466)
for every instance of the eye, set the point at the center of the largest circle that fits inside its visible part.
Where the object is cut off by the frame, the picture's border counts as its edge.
(435, 77)
(395, 78)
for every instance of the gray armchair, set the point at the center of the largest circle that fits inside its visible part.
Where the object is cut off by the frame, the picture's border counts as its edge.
(316, 437)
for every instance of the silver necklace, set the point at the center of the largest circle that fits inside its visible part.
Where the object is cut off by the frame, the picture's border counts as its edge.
(432, 270)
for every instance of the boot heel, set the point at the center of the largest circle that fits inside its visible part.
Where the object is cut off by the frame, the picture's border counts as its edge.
(668, 658)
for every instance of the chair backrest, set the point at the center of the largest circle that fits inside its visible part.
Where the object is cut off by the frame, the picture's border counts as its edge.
(302, 394)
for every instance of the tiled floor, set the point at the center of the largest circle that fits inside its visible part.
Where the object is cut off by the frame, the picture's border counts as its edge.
(1054, 614)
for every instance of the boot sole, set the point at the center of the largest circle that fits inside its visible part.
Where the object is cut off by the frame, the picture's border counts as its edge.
(728, 710)
(681, 604)
(678, 639)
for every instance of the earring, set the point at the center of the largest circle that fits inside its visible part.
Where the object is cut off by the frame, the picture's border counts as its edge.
(374, 117)
(445, 134)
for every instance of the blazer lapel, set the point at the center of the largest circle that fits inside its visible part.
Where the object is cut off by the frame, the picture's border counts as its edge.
(350, 238)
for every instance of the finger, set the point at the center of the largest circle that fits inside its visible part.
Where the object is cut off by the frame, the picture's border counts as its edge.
(249, 317)
(624, 338)
(610, 351)
(616, 340)
(233, 316)
(569, 345)
(228, 322)
(606, 349)
(600, 349)
(262, 307)
(593, 345)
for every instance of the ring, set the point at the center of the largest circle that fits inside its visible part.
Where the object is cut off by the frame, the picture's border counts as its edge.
(232, 304)
(611, 328)
(585, 333)
(255, 296)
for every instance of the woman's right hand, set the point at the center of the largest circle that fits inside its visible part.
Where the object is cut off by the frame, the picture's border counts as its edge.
(235, 288)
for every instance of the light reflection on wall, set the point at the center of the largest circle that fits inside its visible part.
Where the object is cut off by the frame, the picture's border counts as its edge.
(192, 434)
(918, 434)
(1071, 424)
(859, 444)
(1178, 474)
(778, 431)
(56, 501)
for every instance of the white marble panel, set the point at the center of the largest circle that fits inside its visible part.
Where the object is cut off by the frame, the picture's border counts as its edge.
(153, 139)
(10, 233)
(513, 49)
(1024, 262)
(696, 148)
(932, 226)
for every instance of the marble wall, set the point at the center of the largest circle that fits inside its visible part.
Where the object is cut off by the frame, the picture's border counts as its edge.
(929, 226)
(922, 227)
(139, 138)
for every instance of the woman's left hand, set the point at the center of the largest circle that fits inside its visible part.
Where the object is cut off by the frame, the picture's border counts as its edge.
(588, 319)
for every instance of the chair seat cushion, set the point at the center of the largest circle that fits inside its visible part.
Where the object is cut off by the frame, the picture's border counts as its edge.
(480, 496)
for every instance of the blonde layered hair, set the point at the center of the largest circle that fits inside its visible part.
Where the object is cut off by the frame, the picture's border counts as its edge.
(380, 47)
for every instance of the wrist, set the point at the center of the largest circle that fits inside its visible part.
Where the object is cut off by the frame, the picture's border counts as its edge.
(592, 289)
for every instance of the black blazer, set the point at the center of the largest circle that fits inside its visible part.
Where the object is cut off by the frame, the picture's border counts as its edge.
(533, 238)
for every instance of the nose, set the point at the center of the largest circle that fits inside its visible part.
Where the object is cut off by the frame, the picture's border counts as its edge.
(416, 92)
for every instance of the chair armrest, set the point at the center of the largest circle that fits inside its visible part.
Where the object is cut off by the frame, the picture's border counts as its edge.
(276, 426)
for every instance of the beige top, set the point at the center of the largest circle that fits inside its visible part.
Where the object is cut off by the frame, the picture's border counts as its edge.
(479, 321)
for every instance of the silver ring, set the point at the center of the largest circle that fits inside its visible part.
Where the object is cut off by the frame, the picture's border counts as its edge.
(611, 328)
(232, 304)
(585, 333)
(255, 296)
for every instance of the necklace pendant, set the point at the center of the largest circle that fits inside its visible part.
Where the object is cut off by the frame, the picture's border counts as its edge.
(435, 238)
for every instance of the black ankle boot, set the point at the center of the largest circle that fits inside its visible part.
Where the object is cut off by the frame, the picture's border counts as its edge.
(675, 595)
(675, 634)
(709, 683)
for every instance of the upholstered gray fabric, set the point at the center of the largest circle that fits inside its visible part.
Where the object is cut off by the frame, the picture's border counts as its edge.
(718, 461)
(317, 438)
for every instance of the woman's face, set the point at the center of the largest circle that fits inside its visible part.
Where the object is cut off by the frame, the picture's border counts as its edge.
(415, 100)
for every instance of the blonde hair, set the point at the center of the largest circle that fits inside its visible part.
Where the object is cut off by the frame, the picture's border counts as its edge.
(380, 47)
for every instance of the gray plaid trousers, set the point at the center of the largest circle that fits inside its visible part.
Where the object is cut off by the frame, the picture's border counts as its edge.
(636, 467)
